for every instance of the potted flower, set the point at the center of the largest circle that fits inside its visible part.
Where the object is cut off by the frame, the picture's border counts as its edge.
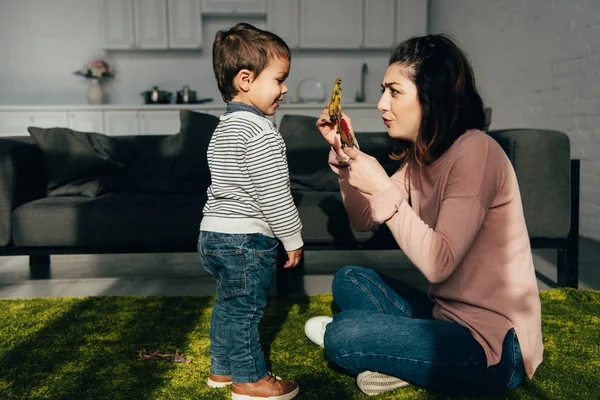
(96, 73)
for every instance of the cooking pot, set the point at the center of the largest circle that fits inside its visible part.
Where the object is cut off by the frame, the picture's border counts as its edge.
(186, 95)
(156, 96)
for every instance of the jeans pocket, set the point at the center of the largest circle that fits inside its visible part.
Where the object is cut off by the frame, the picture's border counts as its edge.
(518, 368)
(227, 266)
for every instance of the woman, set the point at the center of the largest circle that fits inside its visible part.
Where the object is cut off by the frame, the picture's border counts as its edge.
(455, 210)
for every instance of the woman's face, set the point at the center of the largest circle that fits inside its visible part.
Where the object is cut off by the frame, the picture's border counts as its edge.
(399, 104)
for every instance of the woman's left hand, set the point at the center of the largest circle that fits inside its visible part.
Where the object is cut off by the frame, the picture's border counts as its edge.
(365, 173)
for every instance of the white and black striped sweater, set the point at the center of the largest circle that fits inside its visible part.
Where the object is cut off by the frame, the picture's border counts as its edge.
(250, 183)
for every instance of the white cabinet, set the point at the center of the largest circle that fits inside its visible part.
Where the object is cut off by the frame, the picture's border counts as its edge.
(151, 24)
(185, 24)
(159, 122)
(236, 7)
(331, 24)
(121, 123)
(86, 121)
(380, 20)
(284, 21)
(411, 19)
(15, 123)
(116, 24)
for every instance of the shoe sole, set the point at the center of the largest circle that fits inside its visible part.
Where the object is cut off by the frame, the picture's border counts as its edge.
(374, 383)
(287, 396)
(217, 385)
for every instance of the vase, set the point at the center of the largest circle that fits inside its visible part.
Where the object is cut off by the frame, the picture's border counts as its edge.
(95, 93)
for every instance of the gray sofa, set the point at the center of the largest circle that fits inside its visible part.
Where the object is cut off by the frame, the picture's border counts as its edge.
(65, 192)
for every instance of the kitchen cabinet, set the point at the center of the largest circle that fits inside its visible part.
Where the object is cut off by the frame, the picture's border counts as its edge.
(379, 17)
(322, 27)
(15, 123)
(185, 24)
(116, 26)
(234, 7)
(150, 24)
(159, 122)
(411, 19)
(283, 20)
(86, 121)
(121, 123)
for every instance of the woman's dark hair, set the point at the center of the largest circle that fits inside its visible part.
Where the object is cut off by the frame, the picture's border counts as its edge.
(450, 103)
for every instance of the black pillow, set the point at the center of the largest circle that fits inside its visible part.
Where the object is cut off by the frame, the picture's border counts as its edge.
(80, 163)
(191, 166)
(175, 163)
(308, 152)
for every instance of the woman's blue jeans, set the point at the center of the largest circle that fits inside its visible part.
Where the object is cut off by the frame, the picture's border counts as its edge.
(387, 326)
(242, 265)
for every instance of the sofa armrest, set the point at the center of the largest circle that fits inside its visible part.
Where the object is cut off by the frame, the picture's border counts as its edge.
(21, 179)
(542, 162)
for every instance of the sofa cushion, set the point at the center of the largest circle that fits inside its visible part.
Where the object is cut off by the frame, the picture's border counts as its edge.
(307, 153)
(115, 219)
(80, 163)
(175, 163)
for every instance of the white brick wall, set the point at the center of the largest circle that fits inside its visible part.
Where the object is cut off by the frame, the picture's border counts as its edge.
(537, 64)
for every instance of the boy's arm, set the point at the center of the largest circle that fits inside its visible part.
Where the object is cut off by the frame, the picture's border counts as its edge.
(268, 170)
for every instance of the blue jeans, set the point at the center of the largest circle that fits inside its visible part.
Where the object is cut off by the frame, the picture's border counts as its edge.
(243, 265)
(387, 326)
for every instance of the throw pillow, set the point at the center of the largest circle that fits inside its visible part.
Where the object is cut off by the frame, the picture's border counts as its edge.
(80, 163)
(308, 152)
(190, 169)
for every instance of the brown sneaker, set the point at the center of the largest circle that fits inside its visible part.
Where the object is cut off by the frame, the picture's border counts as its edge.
(270, 387)
(218, 381)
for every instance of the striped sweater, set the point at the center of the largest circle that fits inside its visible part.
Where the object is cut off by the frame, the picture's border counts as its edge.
(250, 184)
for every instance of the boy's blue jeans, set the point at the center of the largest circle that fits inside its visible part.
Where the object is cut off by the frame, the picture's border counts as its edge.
(386, 326)
(243, 265)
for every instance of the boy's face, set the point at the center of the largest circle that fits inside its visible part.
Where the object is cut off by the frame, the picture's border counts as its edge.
(267, 89)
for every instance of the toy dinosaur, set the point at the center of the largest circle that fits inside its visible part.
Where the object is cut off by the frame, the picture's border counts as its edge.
(335, 114)
(157, 355)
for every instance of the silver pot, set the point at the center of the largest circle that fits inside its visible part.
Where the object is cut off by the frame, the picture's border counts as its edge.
(186, 95)
(157, 96)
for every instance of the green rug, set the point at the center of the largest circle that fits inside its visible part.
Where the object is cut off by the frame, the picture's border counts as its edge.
(87, 348)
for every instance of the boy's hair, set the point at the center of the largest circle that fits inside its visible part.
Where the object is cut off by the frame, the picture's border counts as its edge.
(450, 103)
(244, 47)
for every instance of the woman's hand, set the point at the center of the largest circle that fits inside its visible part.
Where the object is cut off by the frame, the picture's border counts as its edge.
(365, 173)
(329, 131)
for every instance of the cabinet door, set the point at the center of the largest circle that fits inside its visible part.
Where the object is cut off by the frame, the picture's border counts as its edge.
(331, 24)
(185, 24)
(159, 122)
(15, 123)
(86, 121)
(234, 7)
(380, 16)
(411, 19)
(116, 24)
(283, 19)
(121, 123)
(151, 24)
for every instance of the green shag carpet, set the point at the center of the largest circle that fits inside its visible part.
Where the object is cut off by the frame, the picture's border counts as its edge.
(87, 348)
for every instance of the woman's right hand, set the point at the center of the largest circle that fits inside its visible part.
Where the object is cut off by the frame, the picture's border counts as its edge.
(329, 131)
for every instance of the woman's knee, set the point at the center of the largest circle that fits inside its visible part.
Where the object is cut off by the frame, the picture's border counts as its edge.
(345, 277)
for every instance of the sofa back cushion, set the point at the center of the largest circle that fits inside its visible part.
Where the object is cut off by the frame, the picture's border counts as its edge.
(80, 163)
(307, 153)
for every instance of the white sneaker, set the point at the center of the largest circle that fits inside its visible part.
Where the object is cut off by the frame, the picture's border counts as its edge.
(373, 383)
(315, 328)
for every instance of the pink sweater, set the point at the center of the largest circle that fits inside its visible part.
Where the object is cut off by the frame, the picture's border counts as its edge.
(464, 229)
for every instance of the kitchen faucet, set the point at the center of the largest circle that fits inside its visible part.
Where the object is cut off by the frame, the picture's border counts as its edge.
(360, 95)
